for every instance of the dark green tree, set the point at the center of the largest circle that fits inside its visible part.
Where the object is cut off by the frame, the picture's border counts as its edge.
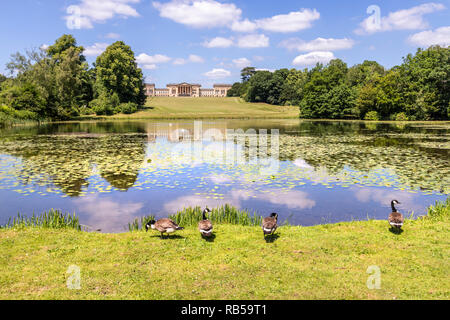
(247, 73)
(117, 72)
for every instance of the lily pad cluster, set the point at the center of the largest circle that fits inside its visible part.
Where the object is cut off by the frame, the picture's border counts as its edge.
(77, 165)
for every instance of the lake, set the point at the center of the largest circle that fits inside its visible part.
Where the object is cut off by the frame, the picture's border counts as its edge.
(310, 172)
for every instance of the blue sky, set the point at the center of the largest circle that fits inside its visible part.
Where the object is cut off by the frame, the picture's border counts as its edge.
(209, 41)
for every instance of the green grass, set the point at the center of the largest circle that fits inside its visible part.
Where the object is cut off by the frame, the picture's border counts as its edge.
(209, 108)
(321, 262)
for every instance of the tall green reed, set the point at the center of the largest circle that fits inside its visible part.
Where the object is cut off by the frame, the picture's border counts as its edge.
(52, 219)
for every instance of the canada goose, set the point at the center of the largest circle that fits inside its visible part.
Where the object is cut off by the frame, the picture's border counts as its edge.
(163, 226)
(396, 219)
(269, 224)
(205, 226)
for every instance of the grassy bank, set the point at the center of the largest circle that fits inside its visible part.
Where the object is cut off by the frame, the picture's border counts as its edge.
(321, 262)
(209, 108)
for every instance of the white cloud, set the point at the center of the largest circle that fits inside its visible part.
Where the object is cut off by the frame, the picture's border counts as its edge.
(292, 22)
(244, 26)
(253, 41)
(199, 13)
(44, 47)
(149, 66)
(440, 36)
(242, 62)
(218, 74)
(95, 50)
(88, 12)
(192, 58)
(156, 59)
(407, 19)
(151, 62)
(319, 44)
(211, 13)
(313, 58)
(112, 35)
(219, 42)
(196, 59)
(179, 61)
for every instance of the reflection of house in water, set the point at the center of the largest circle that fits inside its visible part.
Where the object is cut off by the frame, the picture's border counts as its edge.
(189, 131)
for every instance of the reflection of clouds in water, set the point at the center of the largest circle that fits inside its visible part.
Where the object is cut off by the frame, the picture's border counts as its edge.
(302, 164)
(384, 197)
(291, 199)
(107, 214)
(220, 179)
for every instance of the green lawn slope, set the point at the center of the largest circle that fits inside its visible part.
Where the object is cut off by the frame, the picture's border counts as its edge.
(209, 108)
(321, 262)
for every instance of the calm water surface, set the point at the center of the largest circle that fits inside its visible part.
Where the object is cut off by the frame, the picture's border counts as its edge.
(110, 173)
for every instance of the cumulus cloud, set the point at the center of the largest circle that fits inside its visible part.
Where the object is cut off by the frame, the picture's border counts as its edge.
(440, 36)
(247, 41)
(196, 59)
(244, 26)
(199, 13)
(319, 44)
(218, 74)
(151, 62)
(313, 58)
(155, 59)
(407, 19)
(219, 42)
(87, 12)
(192, 58)
(211, 13)
(253, 41)
(292, 22)
(95, 50)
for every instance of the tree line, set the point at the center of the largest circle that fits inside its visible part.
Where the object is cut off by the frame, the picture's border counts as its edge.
(418, 89)
(57, 83)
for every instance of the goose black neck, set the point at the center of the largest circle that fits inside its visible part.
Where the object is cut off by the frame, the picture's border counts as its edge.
(204, 215)
(393, 207)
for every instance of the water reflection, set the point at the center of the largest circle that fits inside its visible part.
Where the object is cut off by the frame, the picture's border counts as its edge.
(314, 172)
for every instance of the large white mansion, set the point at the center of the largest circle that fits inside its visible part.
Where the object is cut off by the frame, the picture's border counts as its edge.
(187, 90)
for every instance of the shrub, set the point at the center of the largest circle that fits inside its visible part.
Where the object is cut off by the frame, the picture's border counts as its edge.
(372, 116)
(401, 117)
(127, 108)
(106, 104)
(8, 113)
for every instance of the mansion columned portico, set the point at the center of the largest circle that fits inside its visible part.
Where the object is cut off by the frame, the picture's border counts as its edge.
(187, 90)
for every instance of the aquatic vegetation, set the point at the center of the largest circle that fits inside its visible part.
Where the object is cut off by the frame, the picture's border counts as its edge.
(440, 210)
(222, 215)
(52, 219)
(139, 224)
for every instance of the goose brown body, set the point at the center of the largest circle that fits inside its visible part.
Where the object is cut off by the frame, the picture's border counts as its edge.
(270, 224)
(205, 226)
(396, 219)
(164, 226)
